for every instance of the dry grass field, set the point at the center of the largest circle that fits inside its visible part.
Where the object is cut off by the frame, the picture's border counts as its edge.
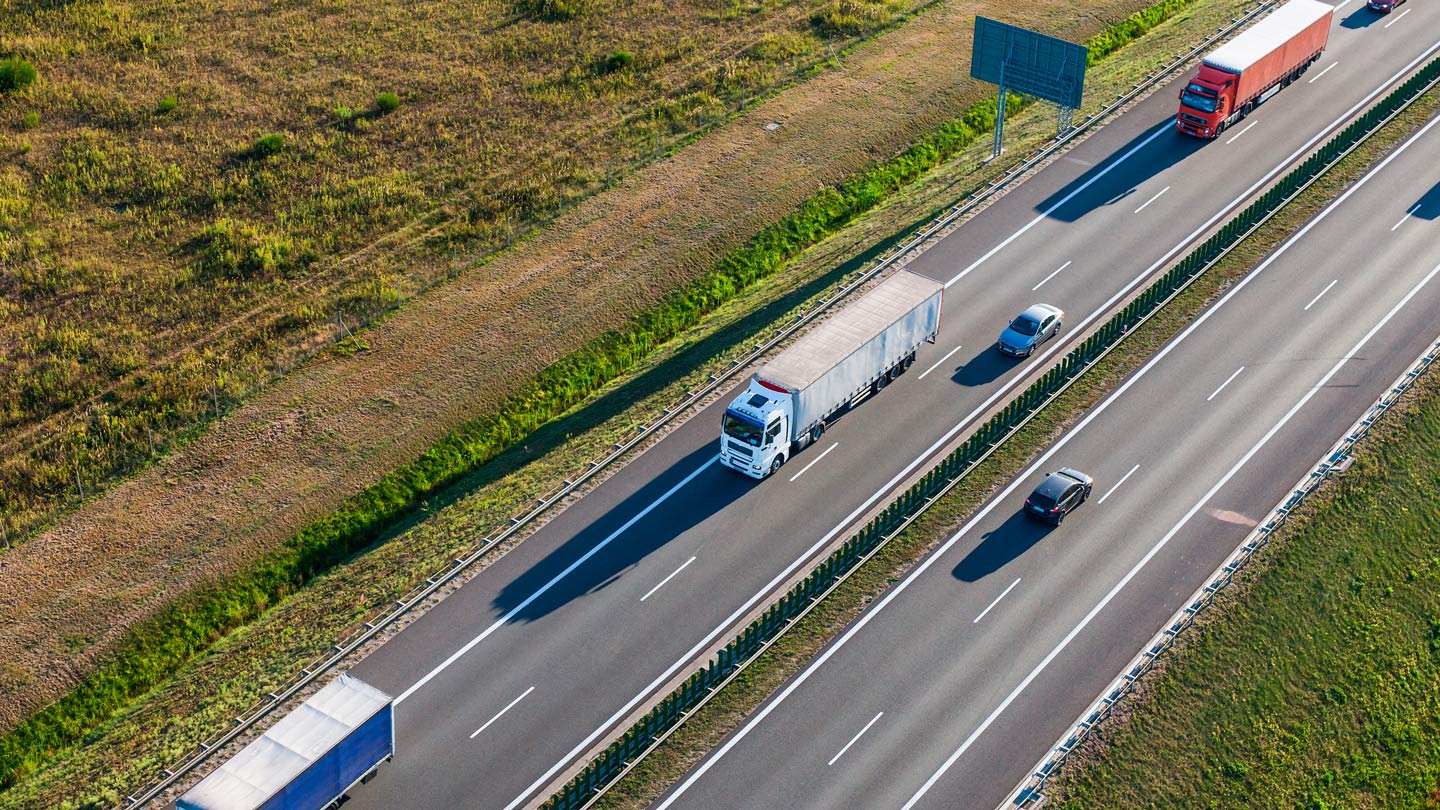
(295, 449)
(193, 195)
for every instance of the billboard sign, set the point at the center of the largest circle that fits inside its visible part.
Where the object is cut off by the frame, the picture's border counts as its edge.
(1028, 62)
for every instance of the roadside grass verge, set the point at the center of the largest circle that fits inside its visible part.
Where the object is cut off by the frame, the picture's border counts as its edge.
(728, 709)
(224, 199)
(1317, 683)
(209, 618)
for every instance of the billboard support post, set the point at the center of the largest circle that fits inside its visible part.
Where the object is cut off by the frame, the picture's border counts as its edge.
(999, 115)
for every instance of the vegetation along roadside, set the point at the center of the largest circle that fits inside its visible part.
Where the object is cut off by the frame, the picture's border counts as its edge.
(707, 727)
(233, 605)
(1317, 683)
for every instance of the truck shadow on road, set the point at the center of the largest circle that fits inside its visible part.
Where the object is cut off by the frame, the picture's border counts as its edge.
(1167, 150)
(997, 548)
(688, 507)
(1428, 206)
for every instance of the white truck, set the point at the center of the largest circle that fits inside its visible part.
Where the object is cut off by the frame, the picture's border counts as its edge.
(855, 352)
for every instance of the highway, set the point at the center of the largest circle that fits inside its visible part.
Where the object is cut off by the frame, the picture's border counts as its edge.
(956, 682)
(511, 679)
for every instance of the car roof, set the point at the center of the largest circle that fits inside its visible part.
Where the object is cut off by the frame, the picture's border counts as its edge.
(1039, 311)
(1055, 485)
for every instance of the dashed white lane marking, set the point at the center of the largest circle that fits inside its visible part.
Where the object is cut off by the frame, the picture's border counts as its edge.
(816, 461)
(1408, 214)
(1227, 382)
(1122, 480)
(856, 737)
(1397, 19)
(1152, 199)
(947, 356)
(1242, 132)
(1052, 275)
(502, 712)
(977, 619)
(1323, 72)
(667, 579)
(1322, 293)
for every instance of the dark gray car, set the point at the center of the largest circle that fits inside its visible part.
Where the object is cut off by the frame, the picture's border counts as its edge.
(1058, 494)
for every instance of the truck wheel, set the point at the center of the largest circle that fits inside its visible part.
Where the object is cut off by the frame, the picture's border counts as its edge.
(910, 361)
(775, 465)
(816, 432)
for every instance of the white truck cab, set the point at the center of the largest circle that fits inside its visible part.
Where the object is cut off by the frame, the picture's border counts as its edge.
(756, 430)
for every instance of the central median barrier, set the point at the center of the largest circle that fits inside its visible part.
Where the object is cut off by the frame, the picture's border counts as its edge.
(637, 741)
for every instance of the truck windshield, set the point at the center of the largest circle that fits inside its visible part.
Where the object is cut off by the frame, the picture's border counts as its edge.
(1199, 98)
(743, 430)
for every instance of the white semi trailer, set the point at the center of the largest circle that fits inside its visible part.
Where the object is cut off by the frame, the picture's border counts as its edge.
(866, 344)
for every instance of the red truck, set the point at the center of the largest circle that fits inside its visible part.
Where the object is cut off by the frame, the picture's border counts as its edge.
(1239, 75)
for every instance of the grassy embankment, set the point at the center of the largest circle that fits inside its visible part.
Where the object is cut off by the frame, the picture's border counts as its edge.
(191, 197)
(765, 250)
(1145, 759)
(1313, 683)
(1316, 684)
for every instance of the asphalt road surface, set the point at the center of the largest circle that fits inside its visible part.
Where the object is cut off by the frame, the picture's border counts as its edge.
(958, 680)
(507, 682)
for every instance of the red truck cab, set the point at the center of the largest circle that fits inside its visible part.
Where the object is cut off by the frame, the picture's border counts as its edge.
(1244, 72)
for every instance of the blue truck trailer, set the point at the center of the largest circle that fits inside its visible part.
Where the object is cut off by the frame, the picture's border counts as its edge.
(310, 759)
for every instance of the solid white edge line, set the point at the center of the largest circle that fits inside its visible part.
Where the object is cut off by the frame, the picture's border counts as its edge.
(1200, 504)
(1152, 199)
(1322, 73)
(1123, 479)
(799, 680)
(856, 737)
(502, 711)
(1321, 295)
(814, 461)
(682, 567)
(1052, 275)
(1397, 19)
(1048, 211)
(1408, 214)
(1228, 380)
(947, 356)
(1249, 454)
(1002, 595)
(1241, 132)
(503, 620)
(819, 544)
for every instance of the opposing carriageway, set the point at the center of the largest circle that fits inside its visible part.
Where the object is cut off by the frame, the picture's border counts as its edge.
(509, 680)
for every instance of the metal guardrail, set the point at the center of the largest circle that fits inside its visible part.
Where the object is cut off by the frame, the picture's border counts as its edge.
(1030, 793)
(515, 524)
(607, 767)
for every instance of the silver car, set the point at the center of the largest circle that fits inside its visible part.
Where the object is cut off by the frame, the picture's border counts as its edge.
(1033, 327)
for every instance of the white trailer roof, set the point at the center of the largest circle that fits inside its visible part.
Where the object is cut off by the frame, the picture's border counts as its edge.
(269, 763)
(823, 347)
(1263, 37)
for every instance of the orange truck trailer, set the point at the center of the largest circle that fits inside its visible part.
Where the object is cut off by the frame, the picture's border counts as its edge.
(1244, 72)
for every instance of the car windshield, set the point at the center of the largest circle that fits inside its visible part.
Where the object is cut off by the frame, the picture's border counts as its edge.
(1200, 98)
(742, 429)
(1024, 326)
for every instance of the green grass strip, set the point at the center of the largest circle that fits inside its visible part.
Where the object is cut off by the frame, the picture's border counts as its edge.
(1317, 685)
(156, 648)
